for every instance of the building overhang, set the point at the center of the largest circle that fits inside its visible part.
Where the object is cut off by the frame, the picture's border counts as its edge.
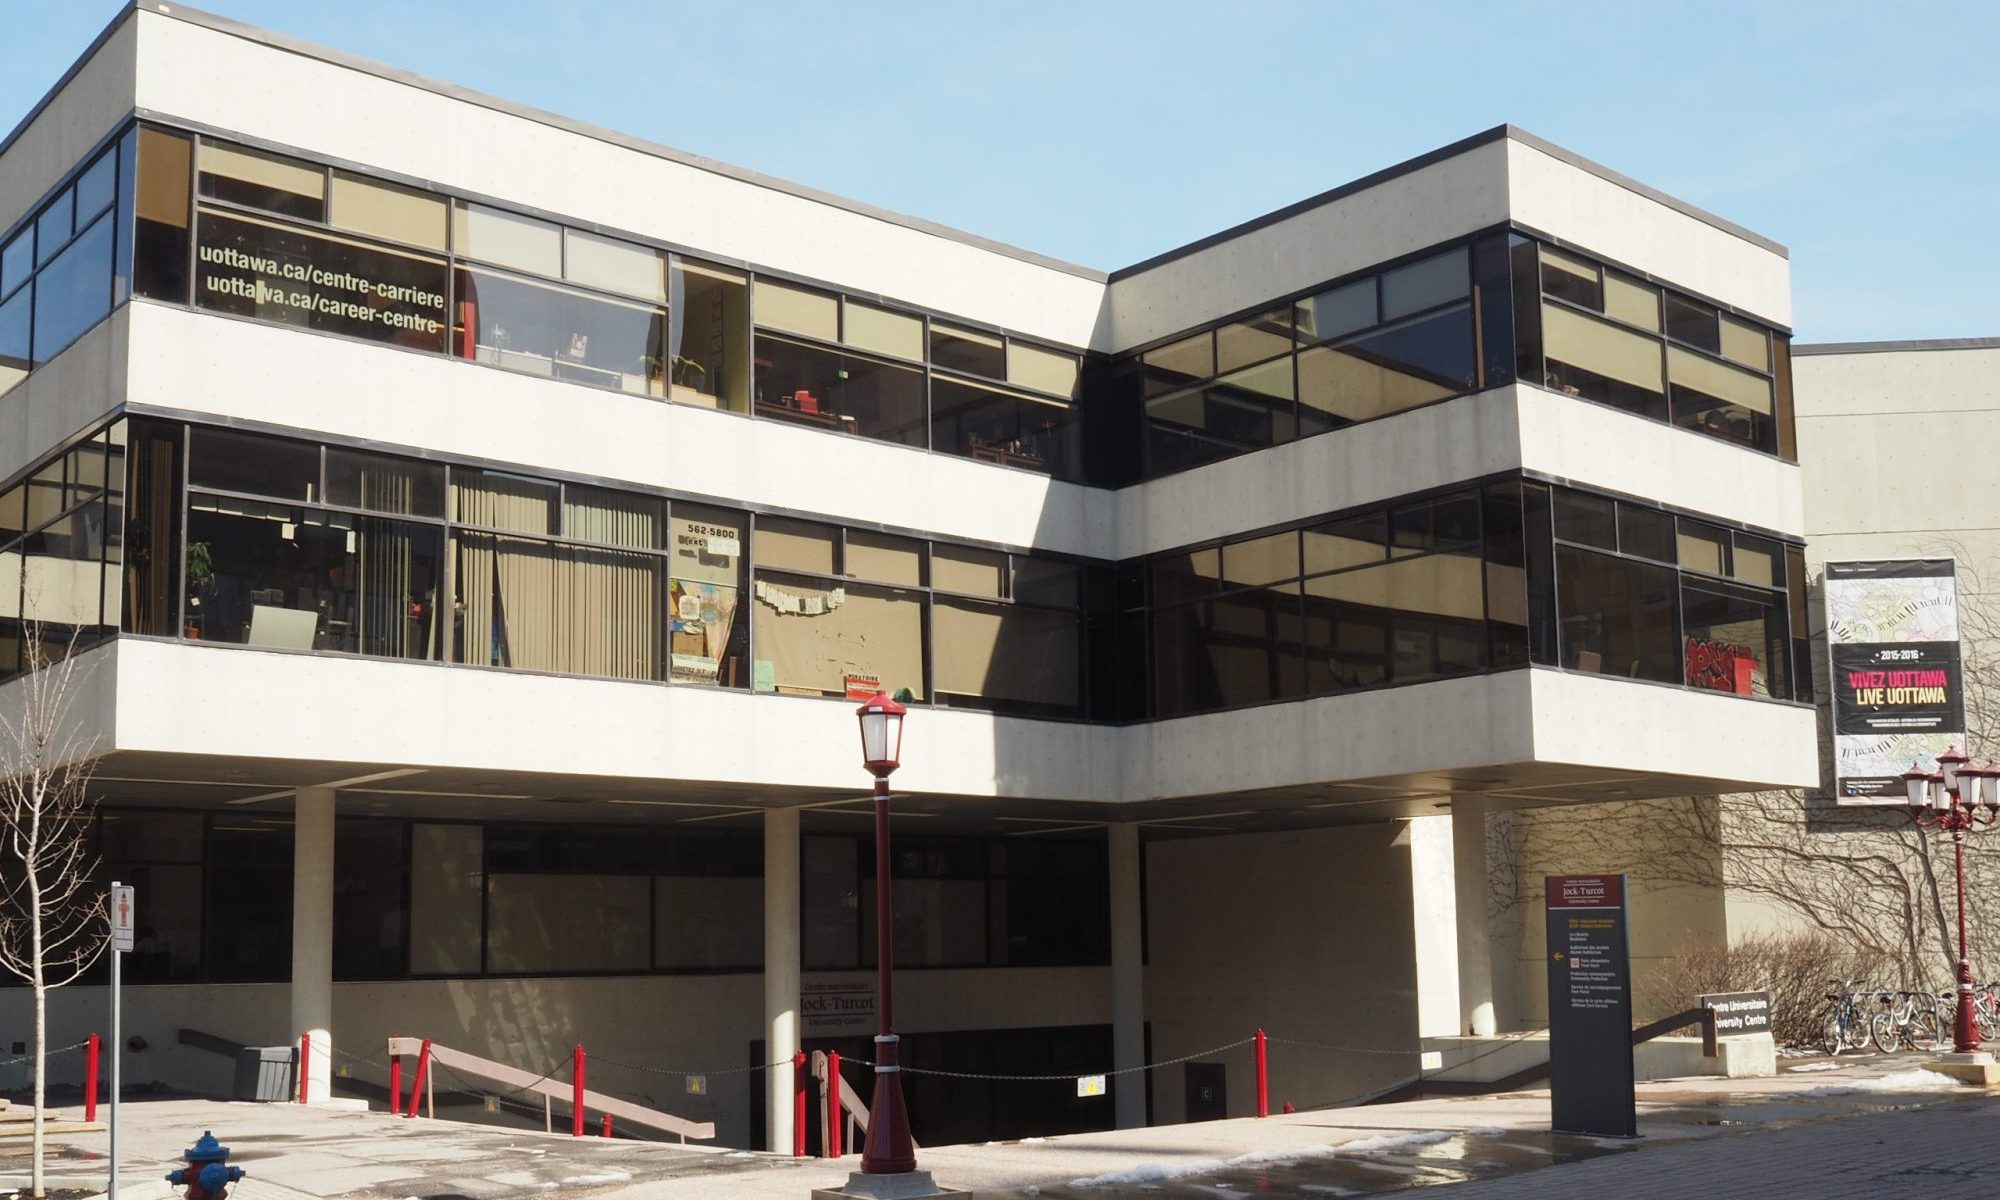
(228, 727)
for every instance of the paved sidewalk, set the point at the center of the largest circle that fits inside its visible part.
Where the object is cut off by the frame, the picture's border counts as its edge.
(1949, 1152)
(1866, 1127)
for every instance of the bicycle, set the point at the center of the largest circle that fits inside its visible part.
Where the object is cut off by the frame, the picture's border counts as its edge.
(1844, 1026)
(1911, 1019)
(1985, 1009)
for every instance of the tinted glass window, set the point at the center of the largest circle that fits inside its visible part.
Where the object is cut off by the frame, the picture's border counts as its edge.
(16, 328)
(53, 227)
(246, 462)
(94, 188)
(1693, 322)
(968, 350)
(17, 261)
(256, 179)
(1617, 616)
(1337, 311)
(160, 237)
(392, 485)
(296, 276)
(1425, 284)
(73, 292)
(1581, 517)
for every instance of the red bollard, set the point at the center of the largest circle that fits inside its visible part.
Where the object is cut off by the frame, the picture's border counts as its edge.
(305, 1063)
(417, 1082)
(395, 1085)
(90, 1080)
(799, 1105)
(604, 1126)
(576, 1092)
(1289, 1108)
(833, 1108)
(1263, 1079)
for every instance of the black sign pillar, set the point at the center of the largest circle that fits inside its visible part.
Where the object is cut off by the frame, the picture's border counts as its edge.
(1590, 1007)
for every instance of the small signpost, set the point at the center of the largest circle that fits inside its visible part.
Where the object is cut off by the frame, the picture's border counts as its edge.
(1737, 1013)
(1590, 1007)
(122, 903)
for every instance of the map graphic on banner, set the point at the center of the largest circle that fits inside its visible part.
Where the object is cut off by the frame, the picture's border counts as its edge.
(1893, 642)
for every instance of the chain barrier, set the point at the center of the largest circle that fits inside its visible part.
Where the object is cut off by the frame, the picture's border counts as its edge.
(1066, 1076)
(352, 1057)
(10, 1062)
(1275, 1040)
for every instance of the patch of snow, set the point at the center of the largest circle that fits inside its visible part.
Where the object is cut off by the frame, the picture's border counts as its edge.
(1158, 1172)
(1829, 1065)
(1153, 1172)
(1918, 1080)
(599, 1177)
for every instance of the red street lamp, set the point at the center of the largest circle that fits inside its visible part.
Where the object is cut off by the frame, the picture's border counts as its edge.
(889, 1150)
(1958, 798)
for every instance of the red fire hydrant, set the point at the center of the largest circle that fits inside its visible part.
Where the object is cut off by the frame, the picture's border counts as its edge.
(208, 1174)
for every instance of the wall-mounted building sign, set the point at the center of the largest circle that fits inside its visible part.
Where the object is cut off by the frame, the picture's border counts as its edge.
(1892, 637)
(827, 1008)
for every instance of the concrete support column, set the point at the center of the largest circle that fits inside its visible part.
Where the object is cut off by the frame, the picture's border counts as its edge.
(1434, 925)
(312, 934)
(1475, 924)
(781, 972)
(1128, 981)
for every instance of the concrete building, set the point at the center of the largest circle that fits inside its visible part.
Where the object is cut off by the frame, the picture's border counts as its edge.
(479, 526)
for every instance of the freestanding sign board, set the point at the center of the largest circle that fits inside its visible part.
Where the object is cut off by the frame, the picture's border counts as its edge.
(1590, 1007)
(1893, 644)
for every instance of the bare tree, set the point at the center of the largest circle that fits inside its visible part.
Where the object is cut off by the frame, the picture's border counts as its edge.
(53, 923)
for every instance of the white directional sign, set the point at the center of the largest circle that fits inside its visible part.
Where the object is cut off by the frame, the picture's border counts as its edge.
(122, 906)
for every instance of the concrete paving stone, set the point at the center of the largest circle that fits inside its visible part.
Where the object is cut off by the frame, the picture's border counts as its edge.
(1810, 1134)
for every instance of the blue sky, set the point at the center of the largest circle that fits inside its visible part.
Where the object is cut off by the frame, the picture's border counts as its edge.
(1865, 138)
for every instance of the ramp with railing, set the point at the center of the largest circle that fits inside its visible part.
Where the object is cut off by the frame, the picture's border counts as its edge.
(580, 1098)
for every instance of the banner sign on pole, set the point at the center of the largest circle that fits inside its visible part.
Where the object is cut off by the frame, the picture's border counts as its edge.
(1590, 1007)
(1893, 645)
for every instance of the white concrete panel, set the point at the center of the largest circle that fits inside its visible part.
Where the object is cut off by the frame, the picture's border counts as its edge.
(336, 386)
(1610, 219)
(1400, 215)
(1470, 437)
(1307, 934)
(64, 396)
(1597, 720)
(1619, 451)
(1892, 383)
(227, 702)
(1476, 721)
(204, 75)
(85, 701)
(1874, 429)
(1460, 439)
(95, 99)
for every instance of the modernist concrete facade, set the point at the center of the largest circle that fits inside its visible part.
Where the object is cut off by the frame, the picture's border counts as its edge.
(501, 512)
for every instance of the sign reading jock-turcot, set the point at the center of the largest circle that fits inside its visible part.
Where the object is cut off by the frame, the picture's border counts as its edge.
(1590, 1007)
